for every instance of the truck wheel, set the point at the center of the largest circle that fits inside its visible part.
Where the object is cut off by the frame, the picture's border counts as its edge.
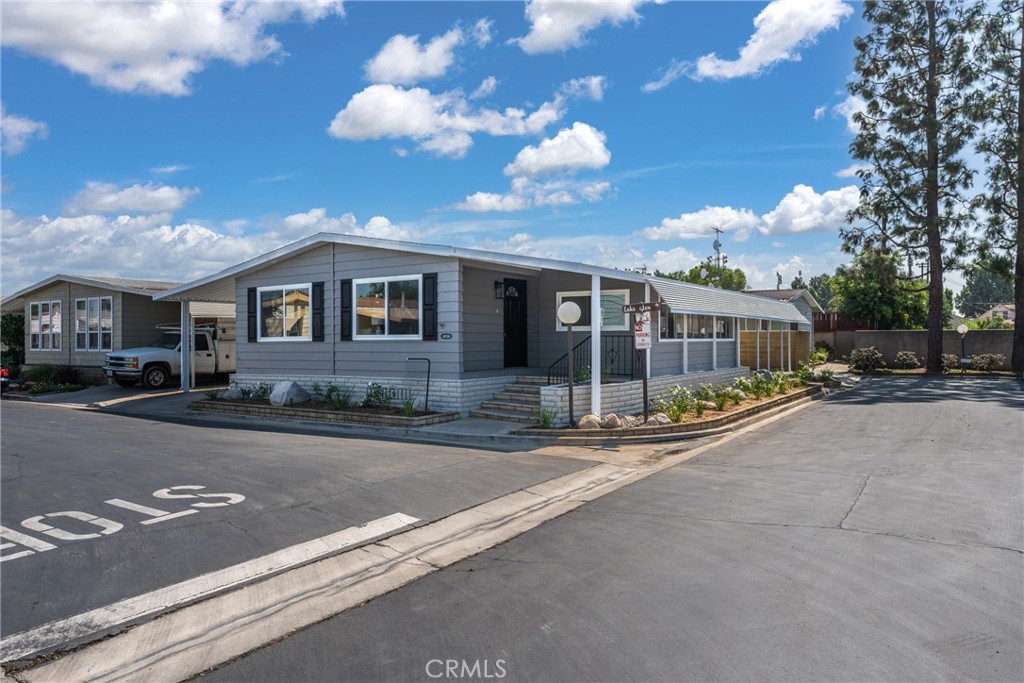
(122, 382)
(155, 377)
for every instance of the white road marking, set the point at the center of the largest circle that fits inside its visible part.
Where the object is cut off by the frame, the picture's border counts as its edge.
(157, 515)
(56, 633)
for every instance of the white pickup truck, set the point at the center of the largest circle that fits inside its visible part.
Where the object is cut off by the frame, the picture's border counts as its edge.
(213, 352)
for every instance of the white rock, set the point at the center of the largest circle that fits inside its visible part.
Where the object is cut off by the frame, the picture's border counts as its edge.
(288, 393)
(663, 419)
(589, 422)
(232, 394)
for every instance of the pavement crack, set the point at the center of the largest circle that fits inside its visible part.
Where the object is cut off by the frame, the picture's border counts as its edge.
(860, 493)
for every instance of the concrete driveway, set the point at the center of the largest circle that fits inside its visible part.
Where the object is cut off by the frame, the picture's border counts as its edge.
(877, 535)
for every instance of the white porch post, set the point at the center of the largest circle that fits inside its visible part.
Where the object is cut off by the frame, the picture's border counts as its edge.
(757, 344)
(595, 344)
(686, 344)
(186, 348)
(714, 342)
(789, 346)
(656, 324)
(736, 336)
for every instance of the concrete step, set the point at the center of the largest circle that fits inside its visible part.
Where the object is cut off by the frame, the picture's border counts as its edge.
(517, 397)
(530, 389)
(503, 416)
(535, 380)
(510, 408)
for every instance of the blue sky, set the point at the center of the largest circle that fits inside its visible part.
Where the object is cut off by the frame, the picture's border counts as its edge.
(170, 140)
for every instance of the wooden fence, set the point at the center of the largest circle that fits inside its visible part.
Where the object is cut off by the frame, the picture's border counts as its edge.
(787, 349)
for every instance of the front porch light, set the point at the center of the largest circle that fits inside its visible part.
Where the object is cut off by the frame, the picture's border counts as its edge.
(499, 289)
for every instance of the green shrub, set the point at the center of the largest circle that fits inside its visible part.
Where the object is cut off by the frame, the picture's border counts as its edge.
(823, 376)
(705, 392)
(260, 391)
(950, 362)
(581, 374)
(721, 397)
(337, 397)
(38, 373)
(675, 403)
(866, 359)
(818, 357)
(907, 360)
(987, 361)
(66, 374)
(760, 386)
(213, 394)
(822, 345)
(803, 373)
(48, 387)
(698, 408)
(545, 416)
(317, 392)
(379, 396)
(408, 407)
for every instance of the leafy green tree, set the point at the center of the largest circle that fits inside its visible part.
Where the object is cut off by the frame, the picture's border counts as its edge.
(1001, 53)
(12, 333)
(798, 283)
(989, 324)
(870, 292)
(915, 74)
(984, 286)
(820, 287)
(709, 274)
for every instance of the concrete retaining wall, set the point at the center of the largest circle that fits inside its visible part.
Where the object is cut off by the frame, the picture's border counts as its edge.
(891, 342)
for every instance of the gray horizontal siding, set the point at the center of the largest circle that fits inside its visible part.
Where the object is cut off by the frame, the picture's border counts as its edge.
(483, 339)
(140, 316)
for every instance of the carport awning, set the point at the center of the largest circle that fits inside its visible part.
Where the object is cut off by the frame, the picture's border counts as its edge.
(684, 297)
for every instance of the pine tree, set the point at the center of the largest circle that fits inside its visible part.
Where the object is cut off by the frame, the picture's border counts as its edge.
(916, 77)
(1001, 53)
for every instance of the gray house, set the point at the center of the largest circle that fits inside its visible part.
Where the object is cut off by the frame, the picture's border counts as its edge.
(76, 320)
(348, 310)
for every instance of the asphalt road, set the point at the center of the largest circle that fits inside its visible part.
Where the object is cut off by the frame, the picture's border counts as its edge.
(285, 489)
(877, 535)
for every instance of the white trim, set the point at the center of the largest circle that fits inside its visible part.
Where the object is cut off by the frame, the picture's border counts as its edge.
(50, 335)
(100, 348)
(595, 341)
(624, 327)
(308, 286)
(385, 336)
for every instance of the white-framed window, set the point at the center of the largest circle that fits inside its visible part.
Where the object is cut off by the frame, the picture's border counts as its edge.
(44, 325)
(388, 307)
(284, 312)
(94, 323)
(612, 317)
(698, 327)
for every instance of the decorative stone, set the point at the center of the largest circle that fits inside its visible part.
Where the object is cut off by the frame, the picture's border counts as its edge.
(611, 421)
(630, 421)
(652, 422)
(287, 394)
(232, 394)
(708, 405)
(589, 422)
(663, 419)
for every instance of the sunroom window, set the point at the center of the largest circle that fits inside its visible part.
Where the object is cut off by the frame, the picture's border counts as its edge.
(612, 317)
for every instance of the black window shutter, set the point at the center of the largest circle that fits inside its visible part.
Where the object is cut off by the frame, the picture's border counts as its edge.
(671, 322)
(430, 306)
(252, 314)
(318, 311)
(346, 310)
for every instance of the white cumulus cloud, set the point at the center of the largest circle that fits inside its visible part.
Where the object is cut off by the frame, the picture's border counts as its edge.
(526, 193)
(572, 149)
(804, 210)
(17, 131)
(152, 47)
(700, 224)
(847, 108)
(107, 198)
(316, 220)
(559, 25)
(781, 29)
(442, 124)
(403, 60)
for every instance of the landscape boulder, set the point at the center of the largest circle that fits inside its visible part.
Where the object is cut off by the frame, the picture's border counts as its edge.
(287, 394)
(663, 419)
(589, 422)
(611, 421)
(232, 393)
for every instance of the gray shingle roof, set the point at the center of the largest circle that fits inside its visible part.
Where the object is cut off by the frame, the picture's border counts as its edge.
(684, 297)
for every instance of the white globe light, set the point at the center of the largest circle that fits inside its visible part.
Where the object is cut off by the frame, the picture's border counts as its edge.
(961, 328)
(569, 313)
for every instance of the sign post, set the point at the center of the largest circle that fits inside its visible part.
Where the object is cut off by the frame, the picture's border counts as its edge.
(642, 338)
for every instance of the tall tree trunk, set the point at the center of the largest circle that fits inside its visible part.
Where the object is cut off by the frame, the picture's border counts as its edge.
(933, 360)
(1017, 355)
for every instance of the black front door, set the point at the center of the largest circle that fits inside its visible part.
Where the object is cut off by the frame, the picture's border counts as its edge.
(515, 323)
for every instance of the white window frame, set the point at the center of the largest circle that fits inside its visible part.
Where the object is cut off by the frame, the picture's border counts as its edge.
(308, 286)
(560, 296)
(51, 335)
(678, 326)
(100, 347)
(387, 322)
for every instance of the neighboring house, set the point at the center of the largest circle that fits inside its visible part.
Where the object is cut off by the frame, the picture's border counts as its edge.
(801, 298)
(352, 310)
(1005, 311)
(76, 319)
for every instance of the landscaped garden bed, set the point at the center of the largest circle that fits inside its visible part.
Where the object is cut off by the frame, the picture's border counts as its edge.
(383, 416)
